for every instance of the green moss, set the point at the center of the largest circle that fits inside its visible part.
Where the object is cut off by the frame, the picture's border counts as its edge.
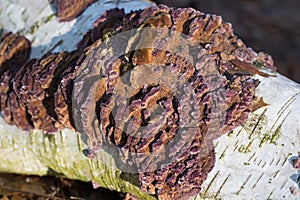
(242, 149)
(264, 139)
(276, 135)
(258, 64)
(48, 18)
(245, 148)
(107, 35)
(34, 27)
(271, 137)
(86, 169)
(60, 154)
(255, 125)
(207, 197)
(230, 134)
(222, 155)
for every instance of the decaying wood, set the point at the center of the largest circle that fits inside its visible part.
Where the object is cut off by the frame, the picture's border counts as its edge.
(252, 162)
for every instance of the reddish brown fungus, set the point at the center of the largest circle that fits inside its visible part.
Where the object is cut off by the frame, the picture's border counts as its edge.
(14, 51)
(69, 9)
(153, 88)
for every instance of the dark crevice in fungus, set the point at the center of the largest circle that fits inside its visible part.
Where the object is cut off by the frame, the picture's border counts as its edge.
(159, 98)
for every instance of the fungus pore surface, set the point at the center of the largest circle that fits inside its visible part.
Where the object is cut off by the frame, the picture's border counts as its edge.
(153, 88)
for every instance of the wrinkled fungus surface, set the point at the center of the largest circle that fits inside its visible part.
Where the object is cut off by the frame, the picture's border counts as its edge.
(69, 9)
(153, 88)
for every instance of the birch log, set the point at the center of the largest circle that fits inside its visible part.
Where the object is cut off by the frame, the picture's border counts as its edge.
(253, 161)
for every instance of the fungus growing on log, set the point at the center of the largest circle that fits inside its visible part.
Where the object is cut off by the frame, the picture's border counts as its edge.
(14, 51)
(153, 88)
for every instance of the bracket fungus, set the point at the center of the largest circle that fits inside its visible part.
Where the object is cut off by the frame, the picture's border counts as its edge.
(153, 88)
(69, 9)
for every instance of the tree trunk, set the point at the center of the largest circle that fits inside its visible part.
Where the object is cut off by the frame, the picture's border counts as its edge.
(252, 162)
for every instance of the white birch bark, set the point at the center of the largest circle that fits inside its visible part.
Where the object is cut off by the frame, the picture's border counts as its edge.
(253, 162)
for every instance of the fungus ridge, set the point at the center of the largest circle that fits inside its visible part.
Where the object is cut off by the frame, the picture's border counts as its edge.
(156, 106)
